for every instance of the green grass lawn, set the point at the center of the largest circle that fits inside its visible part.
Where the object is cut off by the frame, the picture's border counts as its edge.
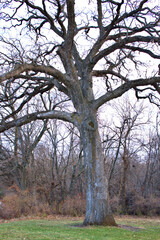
(47, 229)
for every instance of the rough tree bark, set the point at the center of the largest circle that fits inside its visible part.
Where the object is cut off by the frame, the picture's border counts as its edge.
(97, 209)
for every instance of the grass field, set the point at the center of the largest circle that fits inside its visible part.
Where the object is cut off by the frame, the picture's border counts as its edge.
(71, 228)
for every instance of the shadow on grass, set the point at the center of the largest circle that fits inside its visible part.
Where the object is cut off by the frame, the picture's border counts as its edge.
(126, 227)
(130, 228)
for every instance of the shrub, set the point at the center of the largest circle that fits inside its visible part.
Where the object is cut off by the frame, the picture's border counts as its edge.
(14, 206)
(144, 206)
(137, 205)
(74, 206)
(115, 204)
(11, 207)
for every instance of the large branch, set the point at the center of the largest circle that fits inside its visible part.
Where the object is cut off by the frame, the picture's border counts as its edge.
(124, 88)
(65, 50)
(100, 15)
(36, 68)
(103, 73)
(65, 116)
(71, 24)
(147, 51)
(122, 44)
(49, 81)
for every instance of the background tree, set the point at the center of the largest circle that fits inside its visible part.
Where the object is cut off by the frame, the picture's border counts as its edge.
(123, 144)
(150, 181)
(46, 52)
(132, 119)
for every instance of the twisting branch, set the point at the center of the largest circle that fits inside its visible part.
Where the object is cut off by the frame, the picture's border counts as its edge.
(139, 49)
(122, 44)
(65, 116)
(124, 88)
(36, 68)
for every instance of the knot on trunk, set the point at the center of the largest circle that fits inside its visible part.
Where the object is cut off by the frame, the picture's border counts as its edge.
(90, 124)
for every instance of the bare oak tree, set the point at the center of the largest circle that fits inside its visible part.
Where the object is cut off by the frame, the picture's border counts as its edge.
(60, 45)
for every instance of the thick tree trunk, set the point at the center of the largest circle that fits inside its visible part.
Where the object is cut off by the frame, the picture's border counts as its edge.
(98, 210)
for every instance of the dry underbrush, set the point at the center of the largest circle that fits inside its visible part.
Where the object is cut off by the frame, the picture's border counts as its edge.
(138, 206)
(24, 203)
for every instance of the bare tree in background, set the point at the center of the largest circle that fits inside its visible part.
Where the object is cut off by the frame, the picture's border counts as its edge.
(150, 184)
(131, 119)
(66, 161)
(122, 141)
(61, 46)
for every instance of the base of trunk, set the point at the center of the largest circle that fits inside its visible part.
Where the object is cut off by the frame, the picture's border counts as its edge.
(99, 213)
(107, 221)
